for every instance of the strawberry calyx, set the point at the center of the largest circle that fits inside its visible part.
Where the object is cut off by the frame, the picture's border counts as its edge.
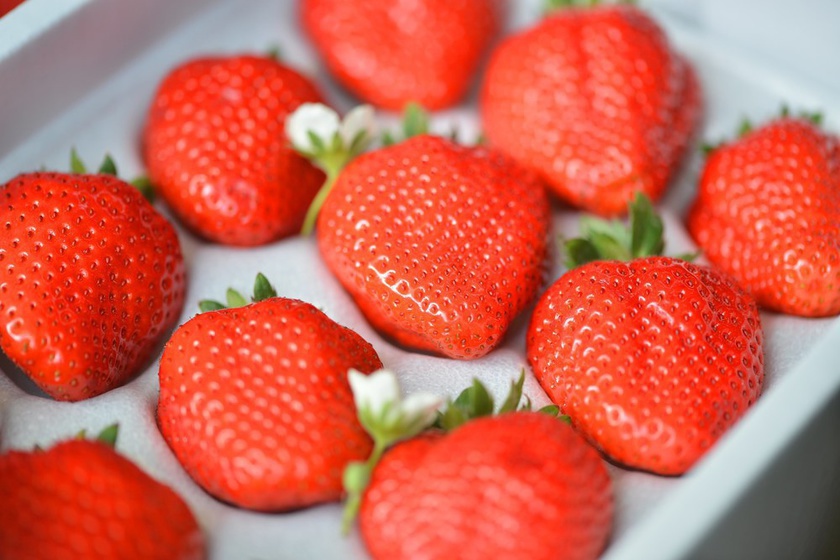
(552, 5)
(108, 436)
(109, 167)
(476, 401)
(602, 239)
(415, 122)
(262, 290)
(330, 143)
(746, 126)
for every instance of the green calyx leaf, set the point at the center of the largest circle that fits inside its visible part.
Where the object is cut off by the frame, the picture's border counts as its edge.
(614, 240)
(262, 290)
(552, 5)
(76, 163)
(144, 185)
(108, 435)
(210, 305)
(109, 167)
(415, 122)
(815, 117)
(275, 53)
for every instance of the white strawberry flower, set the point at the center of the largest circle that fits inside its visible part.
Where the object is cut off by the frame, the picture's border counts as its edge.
(314, 118)
(388, 418)
(384, 413)
(360, 120)
(329, 142)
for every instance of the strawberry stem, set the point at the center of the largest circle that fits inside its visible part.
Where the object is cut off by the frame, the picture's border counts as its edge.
(356, 479)
(332, 170)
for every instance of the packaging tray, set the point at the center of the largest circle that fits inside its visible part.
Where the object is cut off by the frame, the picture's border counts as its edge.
(82, 72)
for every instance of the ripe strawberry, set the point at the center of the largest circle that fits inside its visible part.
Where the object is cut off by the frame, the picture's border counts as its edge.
(255, 402)
(81, 499)
(519, 485)
(440, 245)
(92, 278)
(768, 212)
(653, 359)
(389, 54)
(215, 148)
(596, 101)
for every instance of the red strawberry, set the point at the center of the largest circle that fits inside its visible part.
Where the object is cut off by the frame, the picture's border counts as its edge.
(652, 359)
(215, 148)
(92, 278)
(596, 101)
(390, 53)
(256, 406)
(519, 485)
(768, 212)
(81, 499)
(440, 245)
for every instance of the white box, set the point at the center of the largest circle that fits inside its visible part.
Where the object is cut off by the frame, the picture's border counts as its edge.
(82, 72)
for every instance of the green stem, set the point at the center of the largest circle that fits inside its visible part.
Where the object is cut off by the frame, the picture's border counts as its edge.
(354, 495)
(311, 218)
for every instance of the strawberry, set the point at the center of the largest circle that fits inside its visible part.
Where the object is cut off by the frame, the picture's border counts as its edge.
(519, 485)
(82, 499)
(596, 101)
(768, 212)
(440, 245)
(390, 53)
(255, 402)
(652, 359)
(214, 147)
(92, 279)
(515, 485)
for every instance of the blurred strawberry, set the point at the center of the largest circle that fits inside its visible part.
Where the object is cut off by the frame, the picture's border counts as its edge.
(768, 212)
(390, 53)
(595, 100)
(81, 499)
(215, 148)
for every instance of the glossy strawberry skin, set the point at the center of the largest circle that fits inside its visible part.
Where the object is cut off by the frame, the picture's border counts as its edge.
(440, 245)
(768, 212)
(390, 54)
(81, 499)
(92, 277)
(256, 406)
(596, 101)
(520, 485)
(653, 360)
(215, 148)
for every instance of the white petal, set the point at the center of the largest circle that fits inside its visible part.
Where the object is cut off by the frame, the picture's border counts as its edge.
(373, 391)
(314, 117)
(421, 407)
(358, 119)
